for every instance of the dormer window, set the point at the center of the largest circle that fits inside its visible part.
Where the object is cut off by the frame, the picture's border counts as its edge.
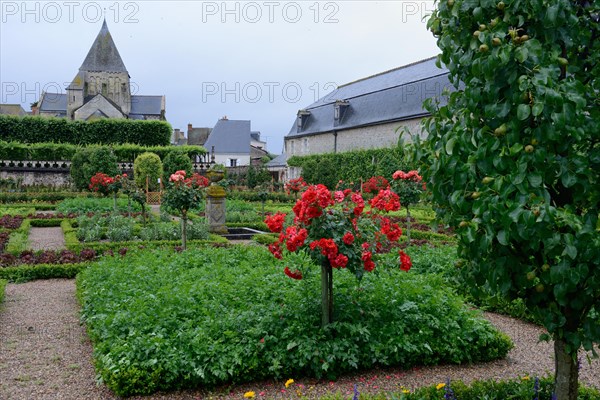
(301, 120)
(339, 110)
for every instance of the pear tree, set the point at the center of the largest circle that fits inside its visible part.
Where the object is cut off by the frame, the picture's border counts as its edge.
(513, 159)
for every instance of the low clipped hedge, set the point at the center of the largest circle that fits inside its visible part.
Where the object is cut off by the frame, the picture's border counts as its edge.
(211, 316)
(3, 283)
(490, 389)
(25, 273)
(246, 195)
(35, 198)
(19, 238)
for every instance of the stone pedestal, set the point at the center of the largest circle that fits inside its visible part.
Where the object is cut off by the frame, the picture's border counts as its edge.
(215, 209)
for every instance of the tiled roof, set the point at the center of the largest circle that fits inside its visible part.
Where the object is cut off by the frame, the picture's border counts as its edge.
(279, 161)
(394, 95)
(54, 102)
(12, 109)
(103, 55)
(229, 137)
(146, 105)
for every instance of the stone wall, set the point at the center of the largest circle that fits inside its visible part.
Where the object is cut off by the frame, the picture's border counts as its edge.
(39, 178)
(369, 137)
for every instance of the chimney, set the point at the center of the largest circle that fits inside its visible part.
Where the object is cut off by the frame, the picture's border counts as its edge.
(224, 117)
(189, 128)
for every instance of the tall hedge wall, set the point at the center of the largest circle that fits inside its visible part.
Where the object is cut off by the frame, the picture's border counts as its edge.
(104, 131)
(60, 151)
(351, 166)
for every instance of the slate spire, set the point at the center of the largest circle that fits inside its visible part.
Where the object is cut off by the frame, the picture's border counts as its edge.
(103, 55)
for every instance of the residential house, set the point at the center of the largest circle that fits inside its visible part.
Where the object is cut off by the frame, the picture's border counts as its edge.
(235, 144)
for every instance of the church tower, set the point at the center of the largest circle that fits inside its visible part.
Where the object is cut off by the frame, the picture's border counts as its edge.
(102, 73)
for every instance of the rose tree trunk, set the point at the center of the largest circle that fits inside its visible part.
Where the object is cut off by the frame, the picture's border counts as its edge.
(184, 229)
(326, 293)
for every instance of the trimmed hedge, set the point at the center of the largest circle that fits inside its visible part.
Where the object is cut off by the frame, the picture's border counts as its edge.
(255, 196)
(25, 273)
(37, 207)
(3, 283)
(45, 222)
(17, 151)
(351, 166)
(107, 131)
(19, 239)
(25, 197)
(491, 389)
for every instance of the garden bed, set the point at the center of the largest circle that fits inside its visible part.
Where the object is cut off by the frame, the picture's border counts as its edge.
(211, 316)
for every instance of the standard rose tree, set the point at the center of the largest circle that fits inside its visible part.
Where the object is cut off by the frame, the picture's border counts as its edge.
(335, 230)
(183, 194)
(105, 185)
(409, 186)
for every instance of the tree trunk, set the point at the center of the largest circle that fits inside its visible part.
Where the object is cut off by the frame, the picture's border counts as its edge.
(408, 225)
(566, 372)
(184, 229)
(326, 293)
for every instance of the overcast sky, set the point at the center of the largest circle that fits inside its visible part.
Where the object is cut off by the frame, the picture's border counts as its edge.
(255, 60)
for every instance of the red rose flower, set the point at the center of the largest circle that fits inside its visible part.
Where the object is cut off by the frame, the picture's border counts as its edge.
(405, 261)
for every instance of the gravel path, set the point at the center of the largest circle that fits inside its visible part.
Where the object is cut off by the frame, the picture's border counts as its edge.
(45, 354)
(46, 239)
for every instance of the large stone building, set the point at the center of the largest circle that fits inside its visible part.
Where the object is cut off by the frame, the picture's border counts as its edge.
(101, 89)
(368, 113)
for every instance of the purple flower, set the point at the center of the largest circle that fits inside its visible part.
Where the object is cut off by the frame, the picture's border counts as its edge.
(356, 394)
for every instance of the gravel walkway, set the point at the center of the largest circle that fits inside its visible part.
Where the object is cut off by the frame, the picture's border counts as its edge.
(46, 239)
(45, 354)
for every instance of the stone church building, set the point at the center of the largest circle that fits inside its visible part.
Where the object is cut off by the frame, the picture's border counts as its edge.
(101, 89)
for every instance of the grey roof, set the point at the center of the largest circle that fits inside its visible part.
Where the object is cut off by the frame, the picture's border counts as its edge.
(140, 105)
(103, 55)
(391, 96)
(12, 109)
(146, 105)
(198, 136)
(230, 137)
(54, 102)
(279, 161)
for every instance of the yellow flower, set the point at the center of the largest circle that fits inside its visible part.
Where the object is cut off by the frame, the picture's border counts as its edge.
(249, 395)
(440, 386)
(289, 382)
(525, 378)
(405, 391)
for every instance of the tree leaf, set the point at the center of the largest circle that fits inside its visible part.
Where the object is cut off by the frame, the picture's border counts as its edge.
(523, 111)
(537, 109)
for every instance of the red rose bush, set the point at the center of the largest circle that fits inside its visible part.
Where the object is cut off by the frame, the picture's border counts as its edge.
(337, 232)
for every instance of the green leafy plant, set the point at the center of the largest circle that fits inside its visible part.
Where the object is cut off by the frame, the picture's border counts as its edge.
(147, 169)
(513, 159)
(159, 323)
(176, 161)
(89, 161)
